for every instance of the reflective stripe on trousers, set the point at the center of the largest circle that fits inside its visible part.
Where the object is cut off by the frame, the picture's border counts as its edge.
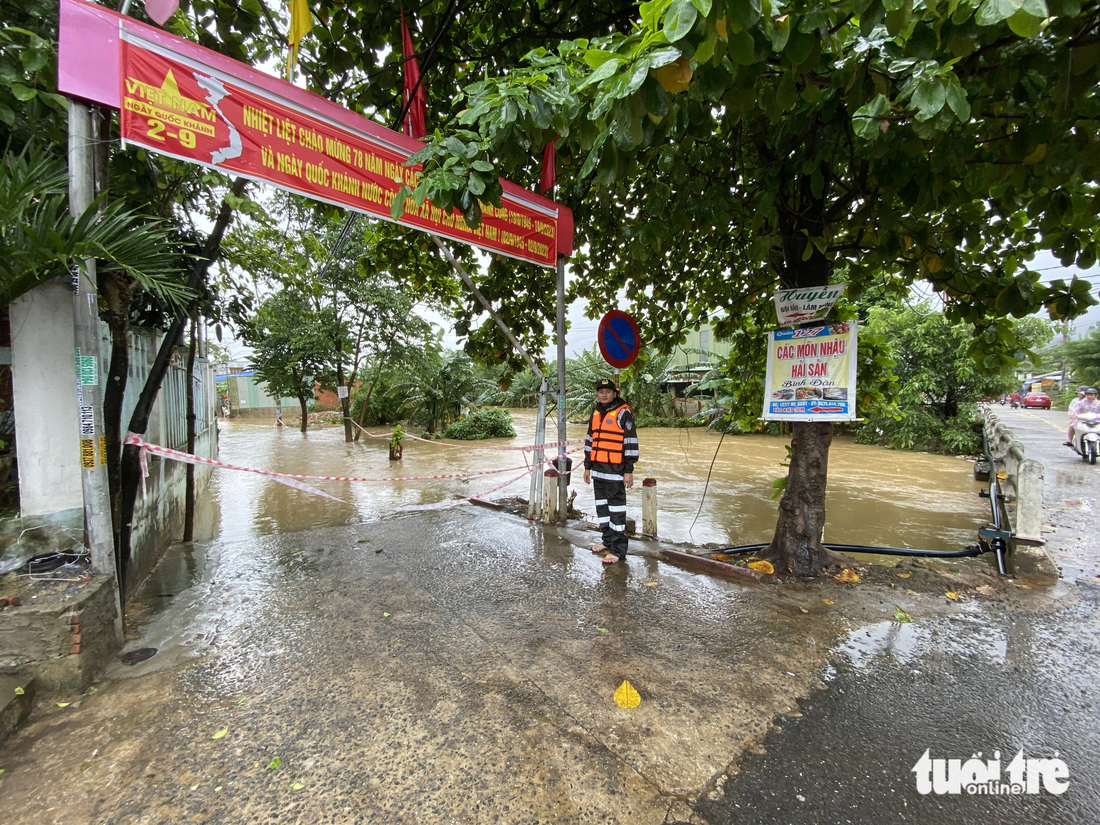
(611, 512)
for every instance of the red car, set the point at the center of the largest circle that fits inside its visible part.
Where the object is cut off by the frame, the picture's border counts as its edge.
(1037, 399)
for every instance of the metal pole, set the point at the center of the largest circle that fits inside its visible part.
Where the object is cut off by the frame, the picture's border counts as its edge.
(563, 486)
(97, 499)
(488, 307)
(534, 501)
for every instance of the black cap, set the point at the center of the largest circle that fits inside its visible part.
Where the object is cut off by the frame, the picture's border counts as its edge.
(606, 384)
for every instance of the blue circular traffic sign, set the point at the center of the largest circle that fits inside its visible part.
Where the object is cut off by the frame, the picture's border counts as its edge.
(618, 339)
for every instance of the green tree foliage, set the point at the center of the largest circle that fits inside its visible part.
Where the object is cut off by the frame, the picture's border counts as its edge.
(753, 144)
(1083, 357)
(289, 345)
(366, 318)
(39, 239)
(491, 422)
(439, 397)
(432, 390)
(938, 382)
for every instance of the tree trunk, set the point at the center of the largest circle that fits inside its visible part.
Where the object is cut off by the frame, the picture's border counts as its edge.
(951, 404)
(796, 547)
(117, 292)
(130, 473)
(189, 485)
(345, 402)
(796, 544)
(305, 411)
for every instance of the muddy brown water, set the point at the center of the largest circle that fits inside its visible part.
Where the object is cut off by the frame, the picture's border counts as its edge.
(875, 496)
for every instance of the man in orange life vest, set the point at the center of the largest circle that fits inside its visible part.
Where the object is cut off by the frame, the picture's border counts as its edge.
(610, 452)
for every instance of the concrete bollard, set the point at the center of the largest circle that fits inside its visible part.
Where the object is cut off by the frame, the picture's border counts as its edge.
(550, 496)
(1029, 500)
(649, 507)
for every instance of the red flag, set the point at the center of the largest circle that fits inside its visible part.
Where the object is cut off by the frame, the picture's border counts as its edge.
(416, 116)
(549, 167)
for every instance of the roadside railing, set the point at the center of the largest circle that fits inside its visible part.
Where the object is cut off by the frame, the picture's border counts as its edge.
(1021, 487)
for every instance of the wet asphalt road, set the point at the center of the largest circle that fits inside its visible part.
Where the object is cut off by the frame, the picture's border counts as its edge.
(1026, 677)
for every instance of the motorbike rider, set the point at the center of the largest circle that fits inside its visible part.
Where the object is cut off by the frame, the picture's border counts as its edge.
(1088, 404)
(1073, 405)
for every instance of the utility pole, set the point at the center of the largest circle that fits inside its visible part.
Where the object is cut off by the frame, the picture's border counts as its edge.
(93, 459)
(563, 487)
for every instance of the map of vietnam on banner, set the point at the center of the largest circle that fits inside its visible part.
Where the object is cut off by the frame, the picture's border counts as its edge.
(811, 374)
(187, 111)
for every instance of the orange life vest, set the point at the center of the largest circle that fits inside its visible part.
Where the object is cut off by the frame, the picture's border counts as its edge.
(607, 436)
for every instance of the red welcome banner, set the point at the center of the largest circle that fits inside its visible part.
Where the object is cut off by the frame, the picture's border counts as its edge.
(187, 111)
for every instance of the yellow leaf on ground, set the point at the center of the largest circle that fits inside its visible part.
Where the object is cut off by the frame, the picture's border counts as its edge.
(847, 577)
(626, 696)
(900, 615)
(903, 575)
(723, 557)
(762, 567)
(650, 584)
(219, 734)
(62, 704)
(296, 786)
(951, 594)
(828, 601)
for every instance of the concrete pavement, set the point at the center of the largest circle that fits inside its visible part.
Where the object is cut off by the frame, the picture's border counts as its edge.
(1020, 674)
(456, 667)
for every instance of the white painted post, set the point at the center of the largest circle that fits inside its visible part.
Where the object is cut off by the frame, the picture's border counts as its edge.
(1012, 469)
(47, 424)
(550, 496)
(649, 507)
(1029, 501)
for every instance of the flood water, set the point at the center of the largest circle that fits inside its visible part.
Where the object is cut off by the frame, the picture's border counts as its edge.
(875, 496)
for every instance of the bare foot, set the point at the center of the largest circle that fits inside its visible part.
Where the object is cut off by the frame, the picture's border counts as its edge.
(610, 558)
(598, 548)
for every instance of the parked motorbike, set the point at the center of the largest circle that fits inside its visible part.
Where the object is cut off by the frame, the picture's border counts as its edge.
(1086, 436)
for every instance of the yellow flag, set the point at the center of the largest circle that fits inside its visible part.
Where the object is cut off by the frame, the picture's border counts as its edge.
(300, 24)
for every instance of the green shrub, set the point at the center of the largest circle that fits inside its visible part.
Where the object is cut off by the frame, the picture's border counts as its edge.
(920, 428)
(492, 422)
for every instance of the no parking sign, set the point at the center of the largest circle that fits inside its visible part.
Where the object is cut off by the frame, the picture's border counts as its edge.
(618, 338)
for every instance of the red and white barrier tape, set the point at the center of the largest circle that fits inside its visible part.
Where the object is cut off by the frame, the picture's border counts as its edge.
(440, 505)
(292, 479)
(188, 458)
(550, 445)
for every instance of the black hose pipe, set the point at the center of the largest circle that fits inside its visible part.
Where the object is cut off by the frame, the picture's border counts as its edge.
(968, 552)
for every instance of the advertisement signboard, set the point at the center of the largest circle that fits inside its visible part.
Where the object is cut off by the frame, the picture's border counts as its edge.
(805, 304)
(811, 374)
